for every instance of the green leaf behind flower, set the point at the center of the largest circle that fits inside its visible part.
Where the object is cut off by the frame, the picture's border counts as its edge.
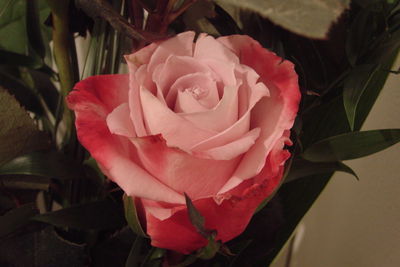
(196, 218)
(308, 18)
(351, 145)
(98, 215)
(16, 218)
(131, 216)
(45, 164)
(303, 168)
(13, 31)
(354, 86)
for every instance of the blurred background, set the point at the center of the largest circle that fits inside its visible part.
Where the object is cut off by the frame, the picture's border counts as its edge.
(356, 223)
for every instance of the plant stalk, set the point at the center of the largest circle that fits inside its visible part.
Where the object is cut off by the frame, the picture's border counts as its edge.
(65, 57)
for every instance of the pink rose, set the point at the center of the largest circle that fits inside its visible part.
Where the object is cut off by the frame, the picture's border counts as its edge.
(209, 119)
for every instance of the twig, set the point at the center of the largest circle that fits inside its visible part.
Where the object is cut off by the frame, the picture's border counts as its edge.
(172, 16)
(101, 8)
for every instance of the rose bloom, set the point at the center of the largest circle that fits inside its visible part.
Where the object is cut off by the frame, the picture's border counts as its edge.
(208, 118)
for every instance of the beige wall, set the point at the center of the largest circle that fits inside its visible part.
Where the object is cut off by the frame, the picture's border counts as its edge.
(357, 223)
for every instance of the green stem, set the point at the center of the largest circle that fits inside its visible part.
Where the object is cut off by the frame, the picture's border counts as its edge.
(65, 55)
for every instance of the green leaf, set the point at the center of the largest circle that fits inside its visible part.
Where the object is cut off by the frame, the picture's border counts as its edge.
(359, 36)
(351, 145)
(131, 216)
(303, 168)
(288, 168)
(25, 182)
(209, 251)
(15, 59)
(39, 245)
(371, 93)
(114, 250)
(354, 86)
(33, 28)
(223, 22)
(12, 24)
(18, 132)
(16, 218)
(13, 31)
(196, 218)
(308, 18)
(23, 94)
(99, 215)
(134, 254)
(50, 164)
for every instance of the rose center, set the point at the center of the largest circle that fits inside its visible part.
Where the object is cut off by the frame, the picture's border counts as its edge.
(197, 92)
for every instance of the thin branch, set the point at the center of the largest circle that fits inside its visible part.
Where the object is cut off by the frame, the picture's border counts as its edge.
(172, 16)
(101, 8)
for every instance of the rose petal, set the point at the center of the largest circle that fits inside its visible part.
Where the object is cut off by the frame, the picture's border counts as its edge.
(180, 45)
(176, 130)
(273, 115)
(239, 128)
(200, 80)
(181, 171)
(166, 74)
(229, 218)
(119, 121)
(186, 103)
(140, 57)
(92, 100)
(222, 116)
(102, 87)
(223, 73)
(135, 107)
(233, 149)
(250, 90)
(207, 47)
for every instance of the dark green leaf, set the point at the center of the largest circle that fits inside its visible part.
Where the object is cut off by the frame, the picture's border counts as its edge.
(131, 216)
(102, 214)
(12, 26)
(37, 246)
(288, 167)
(351, 145)
(308, 18)
(6, 203)
(25, 182)
(33, 28)
(354, 86)
(195, 217)
(134, 254)
(14, 59)
(13, 31)
(18, 132)
(303, 168)
(359, 36)
(371, 93)
(209, 251)
(223, 22)
(260, 235)
(16, 218)
(114, 250)
(45, 88)
(23, 94)
(48, 164)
